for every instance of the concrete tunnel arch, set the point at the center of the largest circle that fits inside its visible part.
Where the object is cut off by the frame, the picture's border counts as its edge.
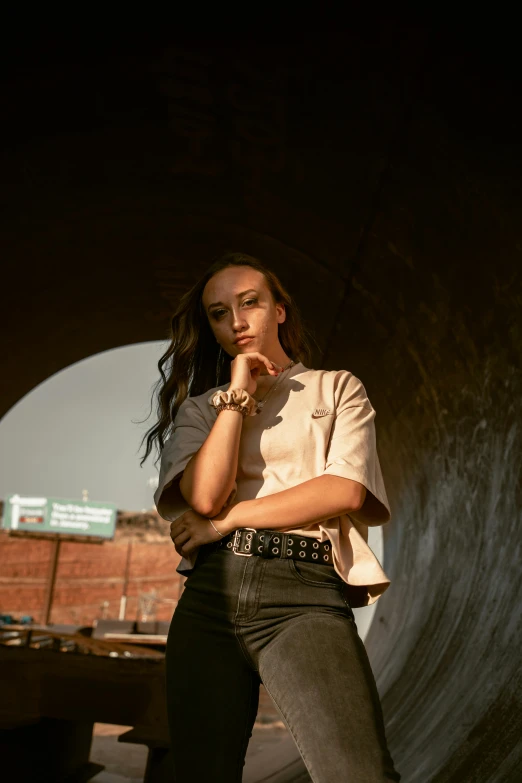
(395, 220)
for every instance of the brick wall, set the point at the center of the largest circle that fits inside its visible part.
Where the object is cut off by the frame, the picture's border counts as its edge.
(89, 574)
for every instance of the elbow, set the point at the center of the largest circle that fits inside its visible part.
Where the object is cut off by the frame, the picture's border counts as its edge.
(369, 510)
(359, 498)
(205, 509)
(194, 500)
(201, 507)
(214, 512)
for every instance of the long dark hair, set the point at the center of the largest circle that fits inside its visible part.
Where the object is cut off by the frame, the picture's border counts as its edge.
(194, 362)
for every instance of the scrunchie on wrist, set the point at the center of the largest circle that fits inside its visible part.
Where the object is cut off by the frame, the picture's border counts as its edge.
(237, 396)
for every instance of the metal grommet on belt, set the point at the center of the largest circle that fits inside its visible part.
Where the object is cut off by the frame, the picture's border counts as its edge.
(267, 538)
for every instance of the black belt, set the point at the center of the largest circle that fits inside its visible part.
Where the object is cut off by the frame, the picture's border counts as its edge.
(247, 541)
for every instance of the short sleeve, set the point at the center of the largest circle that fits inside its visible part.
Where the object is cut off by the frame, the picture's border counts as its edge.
(352, 450)
(190, 430)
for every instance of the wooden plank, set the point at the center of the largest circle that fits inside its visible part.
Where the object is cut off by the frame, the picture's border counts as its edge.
(51, 580)
(138, 638)
(96, 646)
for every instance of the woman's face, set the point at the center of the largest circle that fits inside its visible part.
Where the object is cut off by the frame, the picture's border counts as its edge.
(237, 302)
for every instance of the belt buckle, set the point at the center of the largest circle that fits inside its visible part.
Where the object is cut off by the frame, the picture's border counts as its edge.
(235, 542)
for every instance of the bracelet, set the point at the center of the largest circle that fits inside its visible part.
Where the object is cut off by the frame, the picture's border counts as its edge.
(237, 397)
(215, 528)
(232, 406)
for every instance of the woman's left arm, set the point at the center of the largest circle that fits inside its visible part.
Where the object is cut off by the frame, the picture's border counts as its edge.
(315, 500)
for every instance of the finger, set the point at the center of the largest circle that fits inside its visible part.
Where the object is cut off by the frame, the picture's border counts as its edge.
(271, 366)
(262, 359)
(186, 548)
(181, 538)
(176, 527)
(266, 361)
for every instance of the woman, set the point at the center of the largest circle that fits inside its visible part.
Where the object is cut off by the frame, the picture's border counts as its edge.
(271, 478)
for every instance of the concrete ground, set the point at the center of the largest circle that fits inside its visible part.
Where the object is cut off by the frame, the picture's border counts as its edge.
(125, 763)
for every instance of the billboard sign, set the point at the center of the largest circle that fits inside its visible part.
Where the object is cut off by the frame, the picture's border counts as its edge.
(58, 515)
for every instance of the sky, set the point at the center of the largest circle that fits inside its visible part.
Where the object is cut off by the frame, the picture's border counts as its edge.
(78, 430)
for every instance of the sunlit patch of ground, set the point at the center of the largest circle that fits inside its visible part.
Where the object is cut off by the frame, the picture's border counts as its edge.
(125, 763)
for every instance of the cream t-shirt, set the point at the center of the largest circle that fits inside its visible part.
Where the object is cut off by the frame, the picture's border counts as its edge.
(315, 422)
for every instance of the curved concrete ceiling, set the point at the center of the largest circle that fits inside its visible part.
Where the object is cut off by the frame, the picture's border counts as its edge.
(388, 200)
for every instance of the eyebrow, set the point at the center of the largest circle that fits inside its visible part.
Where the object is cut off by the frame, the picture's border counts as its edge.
(242, 293)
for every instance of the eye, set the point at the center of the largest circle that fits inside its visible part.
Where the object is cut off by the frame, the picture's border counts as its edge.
(215, 313)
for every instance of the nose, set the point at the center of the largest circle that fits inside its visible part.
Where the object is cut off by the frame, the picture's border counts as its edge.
(239, 324)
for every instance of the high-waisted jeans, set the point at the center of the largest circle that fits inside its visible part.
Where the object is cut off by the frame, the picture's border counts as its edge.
(286, 623)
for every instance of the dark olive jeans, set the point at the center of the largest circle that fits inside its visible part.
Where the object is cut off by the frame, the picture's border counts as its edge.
(245, 620)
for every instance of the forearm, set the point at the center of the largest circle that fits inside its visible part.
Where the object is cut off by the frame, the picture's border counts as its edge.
(312, 501)
(209, 475)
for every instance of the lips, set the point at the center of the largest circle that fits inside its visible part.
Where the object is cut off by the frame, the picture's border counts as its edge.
(243, 340)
